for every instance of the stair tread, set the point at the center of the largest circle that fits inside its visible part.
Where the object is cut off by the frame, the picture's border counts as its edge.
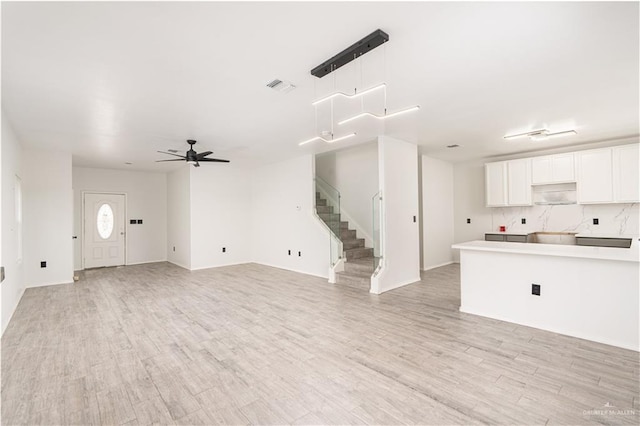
(355, 274)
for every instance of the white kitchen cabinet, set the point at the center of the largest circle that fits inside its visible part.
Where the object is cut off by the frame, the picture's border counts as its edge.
(519, 182)
(595, 176)
(496, 183)
(508, 183)
(626, 178)
(552, 169)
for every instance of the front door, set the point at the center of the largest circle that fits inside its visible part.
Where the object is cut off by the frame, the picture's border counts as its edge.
(104, 230)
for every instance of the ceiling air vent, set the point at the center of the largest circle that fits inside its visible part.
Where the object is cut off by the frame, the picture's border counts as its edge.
(281, 86)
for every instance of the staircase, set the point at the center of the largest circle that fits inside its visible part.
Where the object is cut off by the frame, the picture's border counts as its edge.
(358, 265)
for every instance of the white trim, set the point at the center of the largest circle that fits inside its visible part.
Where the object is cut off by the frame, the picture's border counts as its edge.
(438, 266)
(13, 311)
(578, 335)
(219, 266)
(126, 232)
(178, 264)
(145, 262)
(48, 284)
(395, 286)
(291, 270)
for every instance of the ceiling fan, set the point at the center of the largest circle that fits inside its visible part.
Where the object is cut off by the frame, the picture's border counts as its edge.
(192, 157)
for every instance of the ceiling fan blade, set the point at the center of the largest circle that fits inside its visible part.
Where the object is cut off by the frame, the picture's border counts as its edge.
(203, 154)
(214, 160)
(171, 153)
(177, 159)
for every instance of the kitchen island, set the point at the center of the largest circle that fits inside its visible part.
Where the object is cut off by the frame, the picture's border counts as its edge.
(587, 292)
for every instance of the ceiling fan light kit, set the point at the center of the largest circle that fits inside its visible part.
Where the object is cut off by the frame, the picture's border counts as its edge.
(351, 53)
(540, 134)
(192, 157)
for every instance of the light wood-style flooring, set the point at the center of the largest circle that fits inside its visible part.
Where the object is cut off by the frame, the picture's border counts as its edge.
(250, 344)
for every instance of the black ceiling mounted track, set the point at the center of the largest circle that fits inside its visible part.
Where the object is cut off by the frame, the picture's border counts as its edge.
(352, 52)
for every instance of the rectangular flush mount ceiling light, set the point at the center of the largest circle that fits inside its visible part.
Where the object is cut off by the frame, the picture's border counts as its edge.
(541, 134)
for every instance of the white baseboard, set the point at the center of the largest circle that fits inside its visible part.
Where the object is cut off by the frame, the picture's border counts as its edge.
(395, 286)
(13, 311)
(292, 270)
(48, 284)
(428, 268)
(199, 268)
(564, 332)
(180, 265)
(145, 262)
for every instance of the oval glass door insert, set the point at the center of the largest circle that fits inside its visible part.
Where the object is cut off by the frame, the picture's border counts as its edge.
(105, 221)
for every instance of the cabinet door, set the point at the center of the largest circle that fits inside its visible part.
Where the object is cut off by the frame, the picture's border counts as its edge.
(541, 171)
(562, 167)
(519, 182)
(625, 174)
(595, 184)
(495, 184)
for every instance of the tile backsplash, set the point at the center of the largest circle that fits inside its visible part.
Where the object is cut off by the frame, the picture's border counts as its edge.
(614, 219)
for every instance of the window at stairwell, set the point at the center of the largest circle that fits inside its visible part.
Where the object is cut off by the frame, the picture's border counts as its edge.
(104, 221)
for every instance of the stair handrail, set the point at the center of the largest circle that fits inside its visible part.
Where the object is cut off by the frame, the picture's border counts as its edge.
(328, 194)
(335, 242)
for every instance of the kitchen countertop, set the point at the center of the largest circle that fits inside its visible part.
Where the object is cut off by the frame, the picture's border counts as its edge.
(631, 254)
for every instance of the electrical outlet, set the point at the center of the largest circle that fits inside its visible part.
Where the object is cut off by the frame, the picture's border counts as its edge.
(596, 221)
(224, 249)
(468, 220)
(523, 221)
(414, 219)
(299, 254)
(535, 289)
(139, 221)
(132, 221)
(289, 251)
(174, 248)
(43, 264)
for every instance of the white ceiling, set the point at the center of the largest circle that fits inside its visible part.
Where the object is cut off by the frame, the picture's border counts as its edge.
(114, 82)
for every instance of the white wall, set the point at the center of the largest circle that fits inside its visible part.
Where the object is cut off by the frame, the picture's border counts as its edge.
(179, 217)
(12, 287)
(469, 203)
(48, 217)
(353, 172)
(220, 215)
(283, 219)
(146, 200)
(437, 212)
(398, 167)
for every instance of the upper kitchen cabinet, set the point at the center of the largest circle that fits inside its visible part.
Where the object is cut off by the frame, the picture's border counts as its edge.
(508, 183)
(496, 183)
(608, 175)
(519, 182)
(595, 176)
(626, 188)
(552, 169)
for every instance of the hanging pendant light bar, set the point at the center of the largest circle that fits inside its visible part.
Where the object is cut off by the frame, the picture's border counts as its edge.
(341, 138)
(345, 95)
(359, 48)
(380, 117)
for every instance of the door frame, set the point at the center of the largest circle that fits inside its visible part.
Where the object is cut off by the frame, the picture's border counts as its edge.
(83, 217)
